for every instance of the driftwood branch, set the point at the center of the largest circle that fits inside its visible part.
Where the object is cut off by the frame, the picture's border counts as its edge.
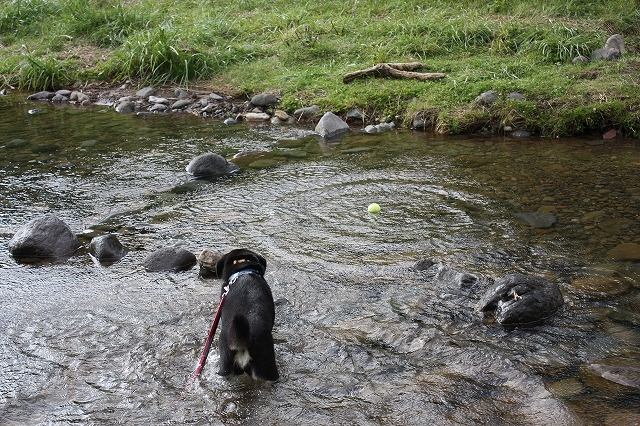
(400, 70)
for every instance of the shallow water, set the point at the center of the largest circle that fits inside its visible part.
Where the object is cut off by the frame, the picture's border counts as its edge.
(361, 338)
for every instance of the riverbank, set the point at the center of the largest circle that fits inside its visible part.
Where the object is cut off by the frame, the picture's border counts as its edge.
(301, 54)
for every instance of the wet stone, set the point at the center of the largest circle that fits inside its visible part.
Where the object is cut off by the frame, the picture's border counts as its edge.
(210, 165)
(41, 96)
(521, 134)
(207, 259)
(605, 373)
(125, 107)
(46, 237)
(331, 126)
(170, 259)
(519, 299)
(107, 248)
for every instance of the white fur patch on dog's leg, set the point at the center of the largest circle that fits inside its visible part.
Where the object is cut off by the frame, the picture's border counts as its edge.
(242, 358)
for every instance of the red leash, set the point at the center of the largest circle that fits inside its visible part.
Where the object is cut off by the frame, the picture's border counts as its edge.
(207, 346)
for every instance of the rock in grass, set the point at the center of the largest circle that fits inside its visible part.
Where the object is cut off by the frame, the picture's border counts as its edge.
(606, 54)
(307, 112)
(264, 99)
(487, 98)
(616, 41)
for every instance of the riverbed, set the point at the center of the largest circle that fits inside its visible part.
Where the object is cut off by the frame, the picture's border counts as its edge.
(361, 336)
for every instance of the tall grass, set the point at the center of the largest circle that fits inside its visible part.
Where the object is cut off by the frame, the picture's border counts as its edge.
(106, 26)
(20, 18)
(44, 73)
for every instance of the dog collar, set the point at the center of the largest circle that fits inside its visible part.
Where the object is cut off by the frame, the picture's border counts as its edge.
(234, 277)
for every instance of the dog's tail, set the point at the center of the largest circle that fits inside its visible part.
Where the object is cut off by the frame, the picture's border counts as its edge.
(239, 339)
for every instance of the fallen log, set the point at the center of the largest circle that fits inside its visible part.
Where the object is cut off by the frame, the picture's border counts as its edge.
(396, 70)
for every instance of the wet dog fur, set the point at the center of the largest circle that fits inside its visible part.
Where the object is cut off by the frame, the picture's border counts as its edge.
(245, 343)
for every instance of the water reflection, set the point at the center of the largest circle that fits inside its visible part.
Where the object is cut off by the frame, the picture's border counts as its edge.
(360, 337)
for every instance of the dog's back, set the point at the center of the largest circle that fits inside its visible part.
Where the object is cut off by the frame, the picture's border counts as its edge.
(248, 313)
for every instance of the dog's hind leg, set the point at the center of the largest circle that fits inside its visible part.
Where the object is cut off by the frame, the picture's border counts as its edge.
(240, 339)
(226, 357)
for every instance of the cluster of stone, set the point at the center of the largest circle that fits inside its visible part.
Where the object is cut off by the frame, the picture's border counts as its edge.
(613, 49)
(262, 107)
(62, 96)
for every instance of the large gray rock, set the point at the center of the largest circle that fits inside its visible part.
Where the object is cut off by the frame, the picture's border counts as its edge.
(520, 299)
(616, 41)
(210, 165)
(42, 239)
(106, 248)
(331, 126)
(170, 259)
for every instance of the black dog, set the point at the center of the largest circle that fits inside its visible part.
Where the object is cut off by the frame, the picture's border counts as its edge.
(248, 313)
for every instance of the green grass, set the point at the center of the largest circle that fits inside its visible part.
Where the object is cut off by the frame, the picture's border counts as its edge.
(301, 49)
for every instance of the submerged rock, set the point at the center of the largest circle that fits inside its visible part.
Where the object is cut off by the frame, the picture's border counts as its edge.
(625, 251)
(621, 371)
(520, 299)
(43, 238)
(537, 219)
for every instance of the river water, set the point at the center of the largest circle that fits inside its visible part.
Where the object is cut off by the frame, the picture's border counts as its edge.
(361, 337)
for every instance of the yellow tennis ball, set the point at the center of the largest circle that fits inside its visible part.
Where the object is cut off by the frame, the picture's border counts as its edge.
(374, 208)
